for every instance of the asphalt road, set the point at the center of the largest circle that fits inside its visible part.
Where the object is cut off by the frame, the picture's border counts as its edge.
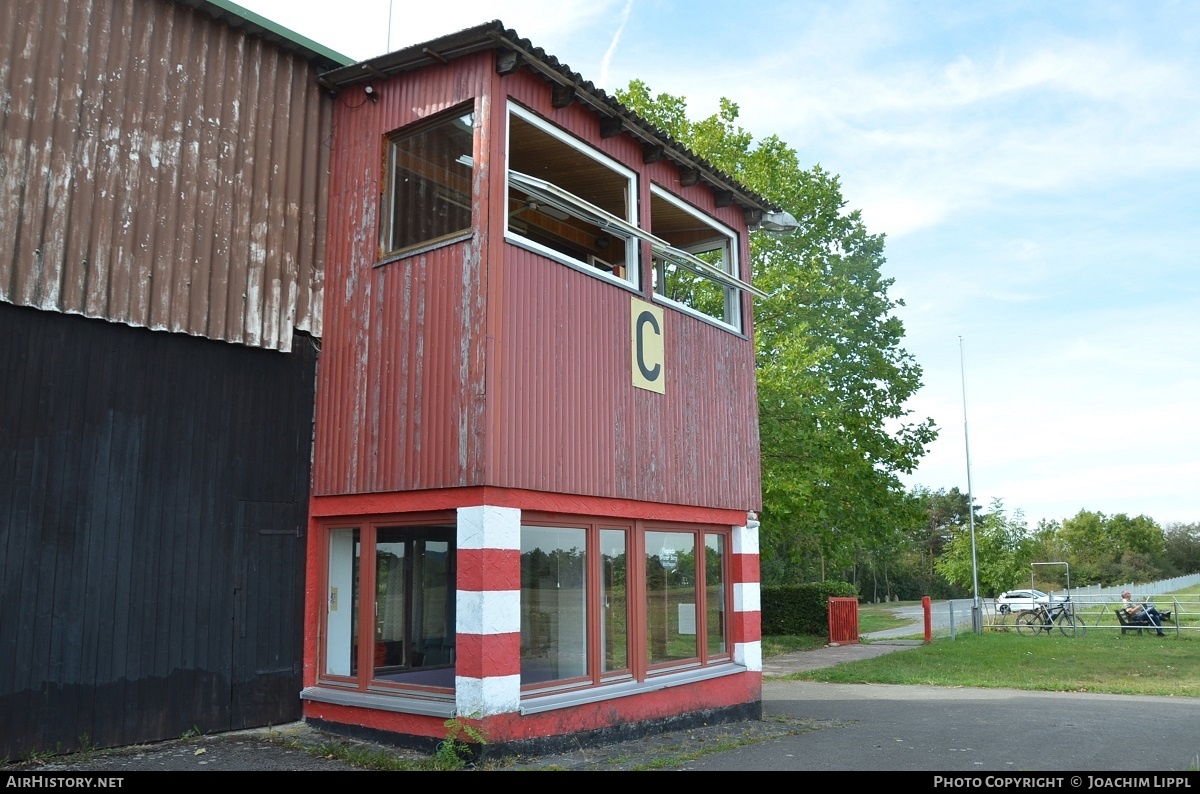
(917, 728)
(811, 726)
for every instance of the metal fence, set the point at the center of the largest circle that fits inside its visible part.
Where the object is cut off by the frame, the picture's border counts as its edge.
(1095, 607)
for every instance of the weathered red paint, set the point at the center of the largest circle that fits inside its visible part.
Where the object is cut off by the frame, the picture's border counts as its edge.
(163, 169)
(483, 364)
(480, 373)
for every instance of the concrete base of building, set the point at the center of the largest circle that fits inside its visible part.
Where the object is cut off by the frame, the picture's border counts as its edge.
(548, 745)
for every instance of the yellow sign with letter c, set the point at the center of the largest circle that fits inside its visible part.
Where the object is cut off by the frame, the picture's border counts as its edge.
(648, 356)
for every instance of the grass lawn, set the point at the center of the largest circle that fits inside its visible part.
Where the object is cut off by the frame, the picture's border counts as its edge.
(1098, 662)
(879, 617)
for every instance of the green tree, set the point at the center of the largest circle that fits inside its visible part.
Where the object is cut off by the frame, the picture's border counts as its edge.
(1182, 549)
(1003, 551)
(832, 375)
(1115, 548)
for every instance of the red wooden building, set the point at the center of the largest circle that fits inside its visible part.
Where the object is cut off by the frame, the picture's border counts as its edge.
(536, 453)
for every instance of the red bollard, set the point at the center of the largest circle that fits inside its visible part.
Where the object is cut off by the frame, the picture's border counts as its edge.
(925, 604)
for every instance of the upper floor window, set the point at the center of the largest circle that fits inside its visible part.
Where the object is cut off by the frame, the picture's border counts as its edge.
(569, 201)
(427, 197)
(695, 261)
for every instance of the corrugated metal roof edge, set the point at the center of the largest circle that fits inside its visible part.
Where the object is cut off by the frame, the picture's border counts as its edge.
(494, 35)
(236, 16)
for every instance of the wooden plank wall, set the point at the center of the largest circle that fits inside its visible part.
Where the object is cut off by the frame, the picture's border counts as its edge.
(153, 495)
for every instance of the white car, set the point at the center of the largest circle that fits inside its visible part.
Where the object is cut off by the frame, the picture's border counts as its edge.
(1018, 600)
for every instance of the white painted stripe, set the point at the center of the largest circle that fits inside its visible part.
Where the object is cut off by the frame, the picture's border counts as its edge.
(748, 654)
(483, 697)
(487, 612)
(489, 527)
(745, 539)
(747, 597)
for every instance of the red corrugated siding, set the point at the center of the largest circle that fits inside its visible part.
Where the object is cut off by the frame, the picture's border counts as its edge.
(400, 399)
(568, 419)
(401, 403)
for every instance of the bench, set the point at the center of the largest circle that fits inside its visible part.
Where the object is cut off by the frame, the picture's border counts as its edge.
(1140, 621)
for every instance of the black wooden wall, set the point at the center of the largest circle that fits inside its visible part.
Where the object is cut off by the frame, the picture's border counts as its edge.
(153, 501)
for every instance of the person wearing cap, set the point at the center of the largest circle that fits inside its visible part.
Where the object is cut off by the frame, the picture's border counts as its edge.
(1139, 612)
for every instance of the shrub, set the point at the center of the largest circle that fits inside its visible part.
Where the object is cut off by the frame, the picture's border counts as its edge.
(801, 608)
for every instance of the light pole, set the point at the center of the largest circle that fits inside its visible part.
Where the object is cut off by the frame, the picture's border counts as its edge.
(976, 604)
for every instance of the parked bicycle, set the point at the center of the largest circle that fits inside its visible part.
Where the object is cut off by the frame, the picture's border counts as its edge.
(1043, 618)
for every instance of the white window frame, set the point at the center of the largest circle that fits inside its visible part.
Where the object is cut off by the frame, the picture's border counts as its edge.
(565, 201)
(727, 280)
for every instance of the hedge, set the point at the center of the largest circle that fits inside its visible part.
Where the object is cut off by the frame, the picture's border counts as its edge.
(801, 608)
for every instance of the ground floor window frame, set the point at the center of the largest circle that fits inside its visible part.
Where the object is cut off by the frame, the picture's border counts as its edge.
(402, 571)
(584, 647)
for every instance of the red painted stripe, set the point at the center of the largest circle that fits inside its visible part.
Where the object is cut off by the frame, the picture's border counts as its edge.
(744, 568)
(483, 570)
(747, 627)
(488, 655)
(451, 498)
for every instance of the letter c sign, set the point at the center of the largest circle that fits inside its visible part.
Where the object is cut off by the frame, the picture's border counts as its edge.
(647, 350)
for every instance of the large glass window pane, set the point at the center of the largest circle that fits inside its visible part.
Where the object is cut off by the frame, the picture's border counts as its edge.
(433, 603)
(341, 604)
(614, 624)
(414, 605)
(671, 597)
(714, 593)
(553, 604)
(429, 184)
(390, 612)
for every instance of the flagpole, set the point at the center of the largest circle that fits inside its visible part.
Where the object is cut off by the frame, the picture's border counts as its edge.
(976, 604)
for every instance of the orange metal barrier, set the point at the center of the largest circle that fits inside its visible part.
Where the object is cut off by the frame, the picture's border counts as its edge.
(843, 621)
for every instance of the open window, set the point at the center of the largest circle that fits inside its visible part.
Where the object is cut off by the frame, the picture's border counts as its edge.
(569, 201)
(427, 198)
(695, 261)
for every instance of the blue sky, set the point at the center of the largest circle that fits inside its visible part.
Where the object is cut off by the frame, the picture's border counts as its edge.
(1035, 167)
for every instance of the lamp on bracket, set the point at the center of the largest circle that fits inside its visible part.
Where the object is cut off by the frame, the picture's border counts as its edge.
(781, 223)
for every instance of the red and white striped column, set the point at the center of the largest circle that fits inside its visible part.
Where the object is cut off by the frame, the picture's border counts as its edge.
(747, 639)
(488, 611)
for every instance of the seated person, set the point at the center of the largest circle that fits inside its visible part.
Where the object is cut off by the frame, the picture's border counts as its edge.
(1141, 613)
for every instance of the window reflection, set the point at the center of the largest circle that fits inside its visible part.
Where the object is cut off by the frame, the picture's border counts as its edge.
(670, 597)
(553, 603)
